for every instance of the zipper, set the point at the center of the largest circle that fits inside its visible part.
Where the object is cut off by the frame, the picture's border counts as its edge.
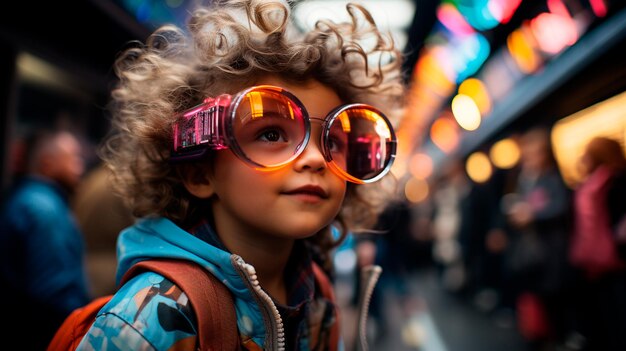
(369, 278)
(275, 330)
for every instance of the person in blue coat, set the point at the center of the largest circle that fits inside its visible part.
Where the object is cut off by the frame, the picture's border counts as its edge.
(42, 268)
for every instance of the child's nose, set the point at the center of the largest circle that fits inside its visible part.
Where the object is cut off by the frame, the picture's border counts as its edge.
(312, 157)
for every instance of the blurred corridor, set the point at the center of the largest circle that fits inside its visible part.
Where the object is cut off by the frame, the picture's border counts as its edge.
(434, 320)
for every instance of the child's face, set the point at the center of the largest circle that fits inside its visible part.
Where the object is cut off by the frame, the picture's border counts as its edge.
(292, 202)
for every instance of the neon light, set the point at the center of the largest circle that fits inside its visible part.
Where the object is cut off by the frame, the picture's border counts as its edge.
(598, 7)
(450, 17)
(344, 119)
(256, 104)
(503, 10)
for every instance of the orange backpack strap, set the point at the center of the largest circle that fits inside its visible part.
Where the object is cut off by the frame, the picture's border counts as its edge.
(210, 298)
(327, 290)
(76, 325)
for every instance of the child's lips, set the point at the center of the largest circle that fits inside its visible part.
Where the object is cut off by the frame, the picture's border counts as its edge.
(308, 190)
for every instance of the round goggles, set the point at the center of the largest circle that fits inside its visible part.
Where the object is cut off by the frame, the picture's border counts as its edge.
(268, 127)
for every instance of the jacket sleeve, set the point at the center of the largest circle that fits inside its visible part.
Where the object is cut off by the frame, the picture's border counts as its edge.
(147, 313)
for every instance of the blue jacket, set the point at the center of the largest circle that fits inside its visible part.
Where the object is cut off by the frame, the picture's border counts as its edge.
(149, 312)
(41, 246)
(42, 272)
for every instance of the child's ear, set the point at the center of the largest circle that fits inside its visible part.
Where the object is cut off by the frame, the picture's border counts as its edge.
(196, 180)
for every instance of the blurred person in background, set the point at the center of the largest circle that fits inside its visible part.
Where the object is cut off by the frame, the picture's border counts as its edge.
(42, 272)
(538, 216)
(449, 200)
(463, 213)
(600, 206)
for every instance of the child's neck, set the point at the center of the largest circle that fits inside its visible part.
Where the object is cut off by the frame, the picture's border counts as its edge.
(269, 259)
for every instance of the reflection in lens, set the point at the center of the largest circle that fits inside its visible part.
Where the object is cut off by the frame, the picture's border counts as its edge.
(268, 128)
(369, 144)
(344, 118)
(255, 100)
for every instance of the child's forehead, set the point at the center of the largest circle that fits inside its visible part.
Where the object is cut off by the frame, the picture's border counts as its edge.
(311, 92)
(295, 86)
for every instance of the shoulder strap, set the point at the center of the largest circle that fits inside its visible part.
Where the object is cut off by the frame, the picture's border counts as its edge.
(210, 299)
(76, 325)
(327, 290)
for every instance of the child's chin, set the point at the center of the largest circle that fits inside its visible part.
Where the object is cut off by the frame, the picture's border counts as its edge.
(300, 233)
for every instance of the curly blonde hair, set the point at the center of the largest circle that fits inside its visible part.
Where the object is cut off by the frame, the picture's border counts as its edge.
(227, 46)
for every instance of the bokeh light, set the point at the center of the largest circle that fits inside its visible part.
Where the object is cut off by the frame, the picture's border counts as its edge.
(505, 154)
(445, 133)
(416, 190)
(474, 88)
(466, 112)
(521, 47)
(478, 167)
(421, 166)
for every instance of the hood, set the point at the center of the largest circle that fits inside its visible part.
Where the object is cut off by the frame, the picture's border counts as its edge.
(161, 238)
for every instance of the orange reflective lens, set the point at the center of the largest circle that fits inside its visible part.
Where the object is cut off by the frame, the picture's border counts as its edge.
(268, 128)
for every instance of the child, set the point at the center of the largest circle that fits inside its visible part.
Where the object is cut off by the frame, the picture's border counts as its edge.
(248, 185)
